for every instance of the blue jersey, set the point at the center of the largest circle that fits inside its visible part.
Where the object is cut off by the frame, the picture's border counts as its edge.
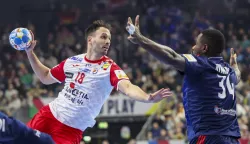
(209, 97)
(13, 131)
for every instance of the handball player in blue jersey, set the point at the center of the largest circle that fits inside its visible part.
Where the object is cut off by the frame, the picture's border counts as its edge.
(13, 131)
(209, 85)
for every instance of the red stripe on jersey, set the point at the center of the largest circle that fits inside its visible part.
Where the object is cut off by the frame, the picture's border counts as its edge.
(58, 72)
(201, 139)
(114, 79)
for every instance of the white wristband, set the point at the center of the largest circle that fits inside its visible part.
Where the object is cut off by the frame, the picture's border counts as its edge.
(131, 29)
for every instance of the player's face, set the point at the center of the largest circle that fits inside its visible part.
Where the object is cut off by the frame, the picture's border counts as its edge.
(199, 48)
(101, 41)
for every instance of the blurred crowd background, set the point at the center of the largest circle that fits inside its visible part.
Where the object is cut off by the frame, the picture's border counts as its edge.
(59, 28)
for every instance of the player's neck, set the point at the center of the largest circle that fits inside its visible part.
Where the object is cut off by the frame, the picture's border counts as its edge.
(93, 56)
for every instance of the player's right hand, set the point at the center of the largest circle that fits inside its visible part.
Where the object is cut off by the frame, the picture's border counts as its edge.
(159, 95)
(33, 44)
(233, 58)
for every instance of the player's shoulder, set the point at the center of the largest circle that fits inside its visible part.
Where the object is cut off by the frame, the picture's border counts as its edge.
(190, 57)
(194, 58)
(108, 59)
(108, 62)
(195, 64)
(76, 58)
(217, 61)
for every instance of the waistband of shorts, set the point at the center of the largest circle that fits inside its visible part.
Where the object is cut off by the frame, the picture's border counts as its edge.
(46, 109)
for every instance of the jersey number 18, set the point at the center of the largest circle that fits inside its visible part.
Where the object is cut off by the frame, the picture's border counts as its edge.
(80, 77)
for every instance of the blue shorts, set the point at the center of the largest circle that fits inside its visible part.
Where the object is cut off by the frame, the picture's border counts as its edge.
(13, 131)
(214, 139)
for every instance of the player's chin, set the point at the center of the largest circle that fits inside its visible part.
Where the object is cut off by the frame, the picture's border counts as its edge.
(105, 52)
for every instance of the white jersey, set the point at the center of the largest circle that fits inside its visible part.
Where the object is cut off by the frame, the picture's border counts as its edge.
(87, 85)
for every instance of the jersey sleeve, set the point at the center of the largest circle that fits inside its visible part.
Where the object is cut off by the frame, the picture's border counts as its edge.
(57, 72)
(193, 64)
(116, 75)
(234, 78)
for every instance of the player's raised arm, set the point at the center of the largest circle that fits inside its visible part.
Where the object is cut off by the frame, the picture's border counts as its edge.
(41, 71)
(161, 52)
(234, 65)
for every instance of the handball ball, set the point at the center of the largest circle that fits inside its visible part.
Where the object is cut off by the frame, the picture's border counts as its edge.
(20, 38)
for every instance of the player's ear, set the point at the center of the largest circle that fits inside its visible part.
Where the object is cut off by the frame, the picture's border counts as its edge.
(193, 47)
(205, 48)
(89, 39)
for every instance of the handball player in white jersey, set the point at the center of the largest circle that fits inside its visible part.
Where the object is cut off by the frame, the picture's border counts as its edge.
(89, 79)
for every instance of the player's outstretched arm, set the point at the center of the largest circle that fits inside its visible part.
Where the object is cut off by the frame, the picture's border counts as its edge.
(161, 52)
(134, 92)
(234, 65)
(41, 71)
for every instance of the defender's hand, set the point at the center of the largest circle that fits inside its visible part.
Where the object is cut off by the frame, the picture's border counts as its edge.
(136, 33)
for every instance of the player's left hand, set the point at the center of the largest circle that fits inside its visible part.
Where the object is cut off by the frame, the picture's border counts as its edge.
(133, 37)
(233, 58)
(159, 95)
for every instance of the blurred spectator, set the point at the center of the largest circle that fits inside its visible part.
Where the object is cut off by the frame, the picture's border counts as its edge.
(11, 92)
(132, 141)
(105, 142)
(14, 104)
(82, 142)
(156, 130)
(163, 135)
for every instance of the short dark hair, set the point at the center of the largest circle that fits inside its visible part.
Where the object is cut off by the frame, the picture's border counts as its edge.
(215, 41)
(95, 26)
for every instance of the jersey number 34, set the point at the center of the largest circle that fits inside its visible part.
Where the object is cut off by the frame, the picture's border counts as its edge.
(228, 85)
